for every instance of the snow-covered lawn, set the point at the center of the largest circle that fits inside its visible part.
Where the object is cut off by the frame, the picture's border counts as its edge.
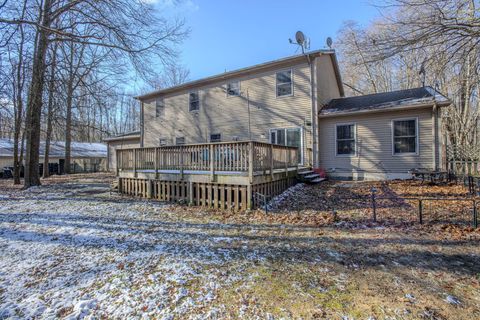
(72, 250)
(68, 255)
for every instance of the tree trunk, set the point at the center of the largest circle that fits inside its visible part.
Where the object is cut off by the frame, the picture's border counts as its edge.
(68, 128)
(18, 105)
(34, 104)
(51, 90)
(68, 119)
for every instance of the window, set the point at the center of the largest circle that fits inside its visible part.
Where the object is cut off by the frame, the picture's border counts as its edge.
(215, 137)
(284, 83)
(345, 136)
(288, 137)
(405, 136)
(159, 108)
(194, 102)
(163, 142)
(179, 140)
(233, 89)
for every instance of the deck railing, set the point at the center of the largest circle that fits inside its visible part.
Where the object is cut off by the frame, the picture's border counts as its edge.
(246, 156)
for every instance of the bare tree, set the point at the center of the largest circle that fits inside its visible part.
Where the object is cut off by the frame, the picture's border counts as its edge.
(421, 42)
(94, 24)
(50, 111)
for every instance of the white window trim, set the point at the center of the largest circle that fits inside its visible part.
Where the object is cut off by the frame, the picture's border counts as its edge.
(239, 89)
(417, 138)
(199, 104)
(292, 84)
(302, 154)
(354, 137)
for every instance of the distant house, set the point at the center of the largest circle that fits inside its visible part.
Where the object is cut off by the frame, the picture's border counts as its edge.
(122, 141)
(86, 157)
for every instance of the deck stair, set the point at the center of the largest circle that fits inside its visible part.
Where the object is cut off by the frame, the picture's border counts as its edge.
(309, 176)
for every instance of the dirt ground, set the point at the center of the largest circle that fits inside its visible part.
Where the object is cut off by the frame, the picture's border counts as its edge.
(71, 250)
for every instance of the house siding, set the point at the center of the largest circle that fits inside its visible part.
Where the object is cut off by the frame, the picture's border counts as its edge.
(229, 115)
(374, 158)
(126, 143)
(8, 161)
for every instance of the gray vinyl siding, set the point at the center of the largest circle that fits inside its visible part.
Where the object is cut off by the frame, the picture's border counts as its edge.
(229, 115)
(119, 144)
(374, 143)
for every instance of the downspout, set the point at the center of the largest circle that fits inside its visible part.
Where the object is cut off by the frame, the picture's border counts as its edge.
(436, 157)
(314, 115)
(142, 124)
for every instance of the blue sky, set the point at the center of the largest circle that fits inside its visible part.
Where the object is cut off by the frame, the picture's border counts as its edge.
(227, 35)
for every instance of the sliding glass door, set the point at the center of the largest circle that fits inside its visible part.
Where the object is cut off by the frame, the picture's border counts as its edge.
(288, 137)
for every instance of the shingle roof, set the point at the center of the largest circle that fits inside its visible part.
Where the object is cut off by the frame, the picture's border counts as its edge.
(408, 97)
(57, 149)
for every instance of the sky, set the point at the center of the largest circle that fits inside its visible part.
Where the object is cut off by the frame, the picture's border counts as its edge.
(228, 35)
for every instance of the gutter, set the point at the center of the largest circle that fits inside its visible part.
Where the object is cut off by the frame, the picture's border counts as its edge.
(399, 108)
(122, 138)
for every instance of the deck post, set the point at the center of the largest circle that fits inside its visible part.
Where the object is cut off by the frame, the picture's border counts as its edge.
(117, 152)
(250, 161)
(212, 164)
(249, 197)
(135, 163)
(156, 163)
(181, 163)
(271, 161)
(149, 189)
(287, 161)
(190, 193)
(119, 185)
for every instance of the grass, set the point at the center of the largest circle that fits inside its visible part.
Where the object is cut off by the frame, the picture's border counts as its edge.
(295, 263)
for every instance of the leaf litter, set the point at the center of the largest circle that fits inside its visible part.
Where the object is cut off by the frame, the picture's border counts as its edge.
(71, 253)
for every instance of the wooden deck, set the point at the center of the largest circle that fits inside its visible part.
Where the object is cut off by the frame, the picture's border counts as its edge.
(220, 175)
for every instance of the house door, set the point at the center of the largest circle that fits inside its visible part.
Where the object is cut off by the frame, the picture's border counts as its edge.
(291, 137)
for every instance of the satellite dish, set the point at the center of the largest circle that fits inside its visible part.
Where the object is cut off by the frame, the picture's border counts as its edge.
(329, 42)
(300, 37)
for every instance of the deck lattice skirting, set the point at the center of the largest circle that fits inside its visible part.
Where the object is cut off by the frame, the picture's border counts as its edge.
(217, 175)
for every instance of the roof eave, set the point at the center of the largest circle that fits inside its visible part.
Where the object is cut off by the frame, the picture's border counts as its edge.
(122, 138)
(230, 74)
(387, 109)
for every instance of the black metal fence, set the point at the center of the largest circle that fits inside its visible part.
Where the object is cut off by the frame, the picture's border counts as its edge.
(463, 211)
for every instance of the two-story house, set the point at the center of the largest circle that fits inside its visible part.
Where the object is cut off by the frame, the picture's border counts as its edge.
(276, 101)
(298, 101)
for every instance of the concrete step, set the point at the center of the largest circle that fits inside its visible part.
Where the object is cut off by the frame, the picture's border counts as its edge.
(312, 176)
(303, 173)
(317, 180)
